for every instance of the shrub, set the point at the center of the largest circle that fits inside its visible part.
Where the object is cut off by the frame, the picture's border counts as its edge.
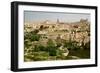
(58, 44)
(32, 36)
(50, 42)
(39, 56)
(35, 37)
(41, 27)
(35, 31)
(28, 57)
(87, 45)
(52, 50)
(27, 44)
(36, 48)
(72, 45)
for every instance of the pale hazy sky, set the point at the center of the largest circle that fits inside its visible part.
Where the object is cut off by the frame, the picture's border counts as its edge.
(32, 16)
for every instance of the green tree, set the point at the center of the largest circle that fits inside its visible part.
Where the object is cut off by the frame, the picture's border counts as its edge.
(52, 49)
(41, 27)
(35, 31)
(50, 42)
(34, 37)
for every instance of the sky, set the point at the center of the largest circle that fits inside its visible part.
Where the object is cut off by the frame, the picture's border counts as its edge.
(34, 16)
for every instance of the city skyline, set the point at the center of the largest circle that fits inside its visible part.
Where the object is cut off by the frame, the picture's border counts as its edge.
(39, 16)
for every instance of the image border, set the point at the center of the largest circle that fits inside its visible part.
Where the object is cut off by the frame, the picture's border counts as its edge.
(14, 35)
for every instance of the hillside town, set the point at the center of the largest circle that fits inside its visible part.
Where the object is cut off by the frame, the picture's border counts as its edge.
(49, 40)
